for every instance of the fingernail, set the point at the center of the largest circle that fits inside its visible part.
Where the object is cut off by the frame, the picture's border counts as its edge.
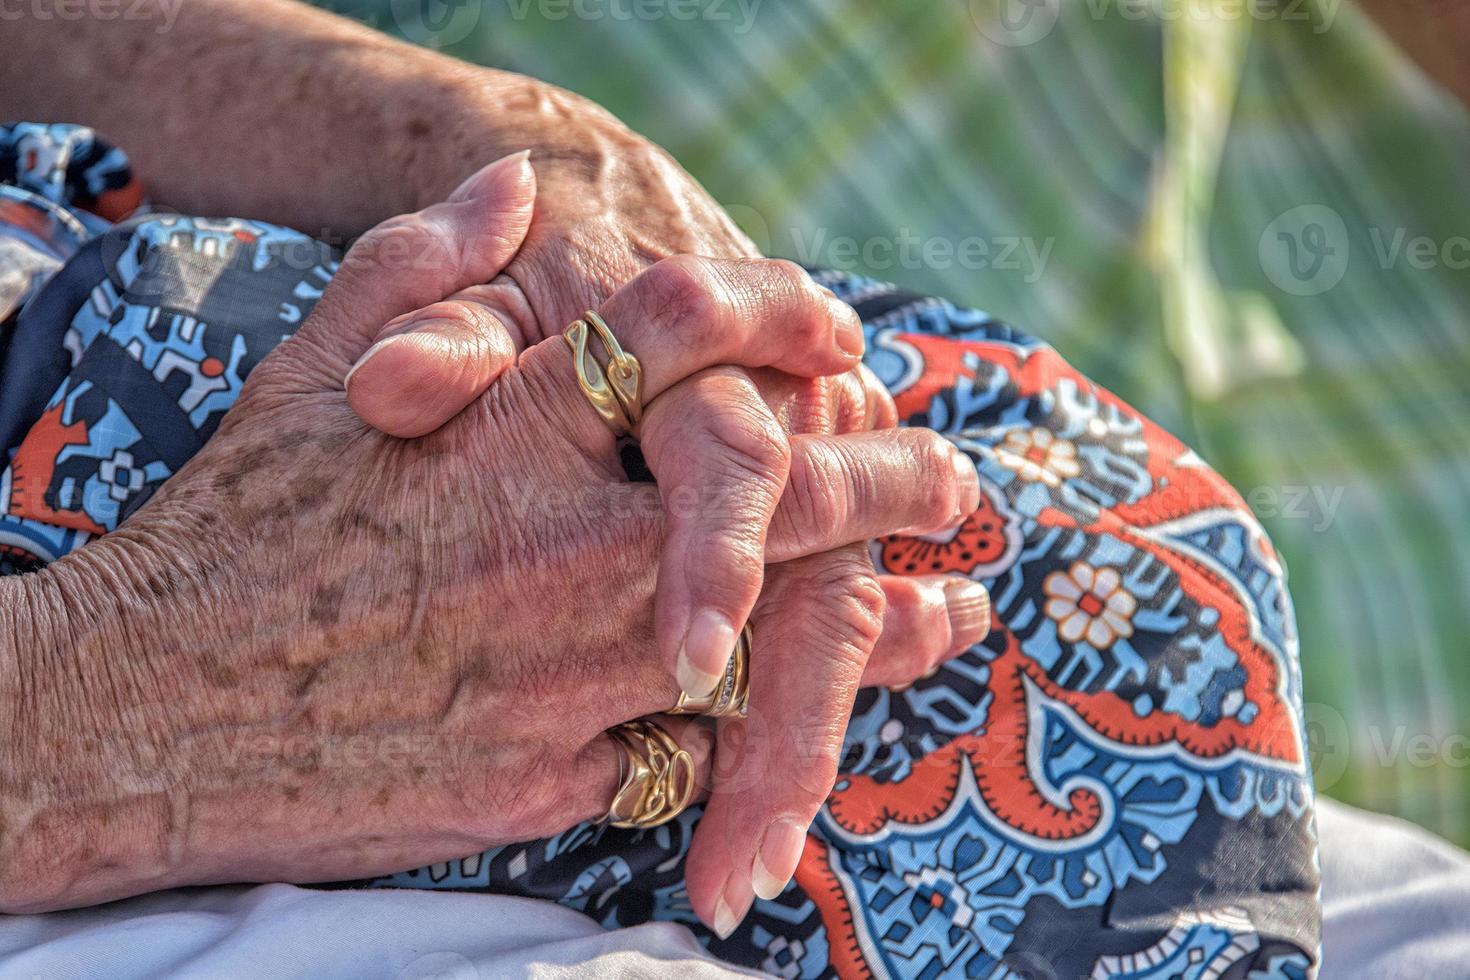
(368, 355)
(968, 481)
(475, 186)
(731, 907)
(725, 921)
(517, 161)
(968, 603)
(775, 862)
(849, 329)
(707, 649)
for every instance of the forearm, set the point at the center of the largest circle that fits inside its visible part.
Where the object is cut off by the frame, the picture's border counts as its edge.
(160, 722)
(242, 107)
(96, 702)
(68, 824)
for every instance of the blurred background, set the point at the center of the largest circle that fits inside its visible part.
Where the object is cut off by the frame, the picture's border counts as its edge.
(1248, 219)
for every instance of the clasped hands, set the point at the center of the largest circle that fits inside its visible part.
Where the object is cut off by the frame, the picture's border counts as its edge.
(413, 525)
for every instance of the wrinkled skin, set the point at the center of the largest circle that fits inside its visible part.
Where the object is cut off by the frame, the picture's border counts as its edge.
(391, 652)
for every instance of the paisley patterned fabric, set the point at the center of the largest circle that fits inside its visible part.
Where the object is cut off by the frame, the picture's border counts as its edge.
(117, 371)
(1114, 784)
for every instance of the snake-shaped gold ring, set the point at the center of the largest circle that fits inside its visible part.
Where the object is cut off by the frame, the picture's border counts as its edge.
(655, 776)
(615, 391)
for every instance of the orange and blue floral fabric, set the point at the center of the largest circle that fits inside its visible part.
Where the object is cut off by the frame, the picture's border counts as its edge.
(1114, 784)
(127, 338)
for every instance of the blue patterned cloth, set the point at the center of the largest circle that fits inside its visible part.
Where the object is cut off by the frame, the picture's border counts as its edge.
(1114, 784)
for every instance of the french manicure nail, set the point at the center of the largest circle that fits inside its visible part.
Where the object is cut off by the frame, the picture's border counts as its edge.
(730, 908)
(517, 161)
(968, 603)
(474, 186)
(775, 862)
(968, 482)
(725, 921)
(368, 355)
(707, 649)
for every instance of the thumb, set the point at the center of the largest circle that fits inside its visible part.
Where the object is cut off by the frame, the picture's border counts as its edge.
(412, 260)
(426, 365)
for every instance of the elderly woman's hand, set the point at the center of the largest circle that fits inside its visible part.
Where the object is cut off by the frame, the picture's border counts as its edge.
(717, 443)
(321, 652)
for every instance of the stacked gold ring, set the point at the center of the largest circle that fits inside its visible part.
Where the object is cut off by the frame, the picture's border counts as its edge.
(615, 391)
(731, 696)
(655, 776)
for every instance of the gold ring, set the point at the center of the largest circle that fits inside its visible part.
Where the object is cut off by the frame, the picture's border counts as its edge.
(616, 393)
(655, 776)
(731, 697)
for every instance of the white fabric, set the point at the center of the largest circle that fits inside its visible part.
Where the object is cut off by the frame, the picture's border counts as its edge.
(1395, 899)
(1396, 904)
(279, 931)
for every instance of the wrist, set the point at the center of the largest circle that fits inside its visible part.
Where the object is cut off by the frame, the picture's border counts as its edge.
(483, 114)
(85, 807)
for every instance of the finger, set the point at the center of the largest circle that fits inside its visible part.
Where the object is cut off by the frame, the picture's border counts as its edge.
(814, 405)
(585, 789)
(720, 460)
(928, 620)
(812, 634)
(411, 261)
(882, 412)
(862, 485)
(686, 314)
(428, 365)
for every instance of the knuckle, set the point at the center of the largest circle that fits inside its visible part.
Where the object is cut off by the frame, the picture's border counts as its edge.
(791, 280)
(449, 312)
(814, 500)
(752, 444)
(907, 602)
(685, 292)
(788, 271)
(850, 604)
(936, 494)
(807, 314)
(469, 328)
(849, 399)
(920, 615)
